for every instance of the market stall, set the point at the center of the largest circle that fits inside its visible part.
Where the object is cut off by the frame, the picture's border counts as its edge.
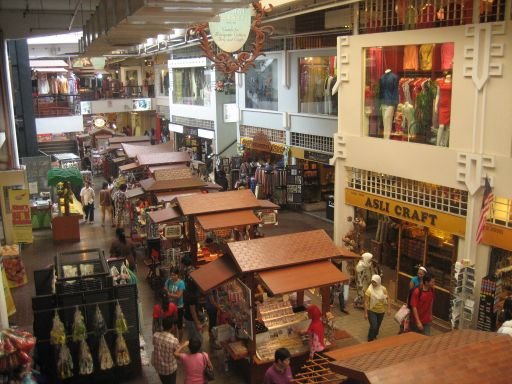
(132, 150)
(149, 158)
(116, 142)
(285, 266)
(65, 222)
(464, 356)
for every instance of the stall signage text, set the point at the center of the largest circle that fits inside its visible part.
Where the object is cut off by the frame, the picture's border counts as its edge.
(497, 236)
(408, 212)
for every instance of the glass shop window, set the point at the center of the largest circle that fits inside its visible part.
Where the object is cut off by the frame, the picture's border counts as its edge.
(317, 76)
(261, 85)
(192, 86)
(164, 82)
(408, 93)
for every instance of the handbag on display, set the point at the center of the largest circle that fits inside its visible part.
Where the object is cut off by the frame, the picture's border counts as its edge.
(209, 375)
(402, 313)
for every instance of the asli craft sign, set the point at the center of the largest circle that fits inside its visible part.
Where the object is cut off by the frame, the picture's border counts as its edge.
(412, 213)
(232, 31)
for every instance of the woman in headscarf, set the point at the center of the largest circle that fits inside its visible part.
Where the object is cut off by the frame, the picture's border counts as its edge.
(365, 268)
(315, 330)
(375, 305)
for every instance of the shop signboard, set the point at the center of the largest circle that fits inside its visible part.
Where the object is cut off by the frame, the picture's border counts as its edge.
(86, 107)
(278, 149)
(408, 212)
(497, 236)
(268, 217)
(230, 113)
(232, 30)
(188, 63)
(176, 128)
(173, 231)
(141, 104)
(20, 211)
(319, 157)
(190, 131)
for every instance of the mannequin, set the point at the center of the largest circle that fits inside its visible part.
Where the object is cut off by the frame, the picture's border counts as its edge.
(388, 94)
(443, 109)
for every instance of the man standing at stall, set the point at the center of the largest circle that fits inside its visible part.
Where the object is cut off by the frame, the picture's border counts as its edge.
(87, 198)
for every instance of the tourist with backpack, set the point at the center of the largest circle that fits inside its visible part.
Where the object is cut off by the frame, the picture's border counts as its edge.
(422, 300)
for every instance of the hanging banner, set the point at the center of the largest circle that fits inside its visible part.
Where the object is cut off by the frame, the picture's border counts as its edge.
(20, 211)
(232, 31)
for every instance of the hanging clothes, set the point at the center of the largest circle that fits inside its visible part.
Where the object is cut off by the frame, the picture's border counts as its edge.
(411, 58)
(426, 51)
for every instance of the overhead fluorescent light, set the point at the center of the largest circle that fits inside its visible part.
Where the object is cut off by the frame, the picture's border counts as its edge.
(47, 63)
(56, 69)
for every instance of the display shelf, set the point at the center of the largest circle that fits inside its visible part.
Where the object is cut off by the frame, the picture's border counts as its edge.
(490, 291)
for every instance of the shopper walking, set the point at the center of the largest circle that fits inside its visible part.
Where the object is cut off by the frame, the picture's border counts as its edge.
(194, 363)
(418, 279)
(174, 287)
(279, 372)
(106, 204)
(163, 310)
(315, 330)
(422, 300)
(192, 312)
(122, 248)
(365, 269)
(87, 198)
(120, 201)
(376, 303)
(163, 358)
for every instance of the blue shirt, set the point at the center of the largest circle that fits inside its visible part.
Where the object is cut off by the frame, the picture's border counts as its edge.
(415, 281)
(388, 89)
(174, 287)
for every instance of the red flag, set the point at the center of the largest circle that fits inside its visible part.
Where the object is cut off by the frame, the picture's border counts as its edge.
(487, 201)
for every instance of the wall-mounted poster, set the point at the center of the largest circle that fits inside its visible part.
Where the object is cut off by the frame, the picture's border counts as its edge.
(141, 104)
(20, 211)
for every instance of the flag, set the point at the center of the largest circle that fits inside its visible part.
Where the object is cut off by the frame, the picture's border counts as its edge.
(484, 211)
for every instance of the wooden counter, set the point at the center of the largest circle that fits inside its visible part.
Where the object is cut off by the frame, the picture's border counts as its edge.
(66, 228)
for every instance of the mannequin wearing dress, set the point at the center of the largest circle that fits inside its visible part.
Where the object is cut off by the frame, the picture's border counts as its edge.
(388, 94)
(443, 106)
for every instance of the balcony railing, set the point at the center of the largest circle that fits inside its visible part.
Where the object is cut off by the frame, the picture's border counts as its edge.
(116, 92)
(56, 105)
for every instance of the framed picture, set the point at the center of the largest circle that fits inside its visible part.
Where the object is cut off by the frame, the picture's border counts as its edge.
(173, 231)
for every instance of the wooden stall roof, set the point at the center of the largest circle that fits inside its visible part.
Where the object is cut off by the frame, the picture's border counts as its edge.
(267, 204)
(284, 250)
(155, 168)
(215, 273)
(348, 254)
(128, 167)
(464, 356)
(217, 202)
(128, 139)
(374, 346)
(164, 215)
(134, 192)
(152, 185)
(163, 158)
(132, 150)
(230, 219)
(210, 185)
(302, 276)
(164, 197)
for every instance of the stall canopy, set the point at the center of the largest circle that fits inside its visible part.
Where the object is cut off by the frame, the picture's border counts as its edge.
(304, 276)
(116, 142)
(230, 219)
(152, 185)
(163, 158)
(62, 175)
(285, 250)
(155, 168)
(128, 167)
(217, 202)
(166, 197)
(164, 215)
(132, 150)
(267, 204)
(134, 192)
(463, 356)
(213, 274)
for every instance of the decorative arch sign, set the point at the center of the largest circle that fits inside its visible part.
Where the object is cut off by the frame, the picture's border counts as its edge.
(232, 31)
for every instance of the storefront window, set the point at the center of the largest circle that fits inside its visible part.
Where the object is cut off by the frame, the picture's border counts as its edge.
(191, 86)
(164, 82)
(261, 85)
(317, 79)
(407, 93)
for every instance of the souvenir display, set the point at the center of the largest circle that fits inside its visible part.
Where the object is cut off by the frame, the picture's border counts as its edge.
(85, 362)
(122, 353)
(104, 355)
(65, 363)
(79, 329)
(99, 327)
(58, 333)
(121, 325)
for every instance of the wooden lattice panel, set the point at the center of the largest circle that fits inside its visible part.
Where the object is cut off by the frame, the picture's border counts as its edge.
(316, 370)
(170, 173)
(280, 251)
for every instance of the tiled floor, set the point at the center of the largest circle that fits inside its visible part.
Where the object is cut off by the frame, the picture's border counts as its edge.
(41, 253)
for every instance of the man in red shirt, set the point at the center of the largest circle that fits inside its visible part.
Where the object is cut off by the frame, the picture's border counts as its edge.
(421, 305)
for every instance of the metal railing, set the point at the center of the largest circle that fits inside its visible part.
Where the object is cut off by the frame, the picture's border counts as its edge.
(117, 92)
(56, 105)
